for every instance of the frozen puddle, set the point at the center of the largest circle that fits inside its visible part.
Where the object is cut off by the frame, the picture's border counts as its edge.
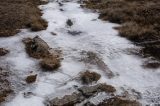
(96, 36)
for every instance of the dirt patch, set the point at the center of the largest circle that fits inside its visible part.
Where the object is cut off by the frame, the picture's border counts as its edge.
(39, 49)
(18, 14)
(140, 19)
(31, 78)
(3, 51)
(89, 77)
(5, 87)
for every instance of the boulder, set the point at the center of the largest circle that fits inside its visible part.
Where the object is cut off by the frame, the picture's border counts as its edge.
(36, 47)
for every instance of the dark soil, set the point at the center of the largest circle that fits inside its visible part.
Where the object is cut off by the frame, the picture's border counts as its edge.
(140, 20)
(18, 14)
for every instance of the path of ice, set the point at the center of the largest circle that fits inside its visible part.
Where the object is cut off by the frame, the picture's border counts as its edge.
(97, 36)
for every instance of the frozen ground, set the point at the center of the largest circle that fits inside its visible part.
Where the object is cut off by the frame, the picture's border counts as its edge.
(96, 36)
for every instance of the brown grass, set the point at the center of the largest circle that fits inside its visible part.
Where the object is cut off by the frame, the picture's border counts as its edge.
(5, 87)
(50, 63)
(17, 14)
(89, 77)
(140, 19)
(119, 101)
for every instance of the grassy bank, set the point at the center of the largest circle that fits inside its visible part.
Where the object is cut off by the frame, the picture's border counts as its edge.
(17, 14)
(140, 20)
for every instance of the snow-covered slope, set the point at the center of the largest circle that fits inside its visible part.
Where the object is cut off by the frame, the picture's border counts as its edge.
(95, 36)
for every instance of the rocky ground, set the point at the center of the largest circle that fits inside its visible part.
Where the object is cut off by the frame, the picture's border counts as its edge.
(65, 56)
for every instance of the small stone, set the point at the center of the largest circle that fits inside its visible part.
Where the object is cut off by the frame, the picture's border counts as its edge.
(53, 33)
(36, 47)
(31, 78)
(74, 33)
(3, 51)
(69, 22)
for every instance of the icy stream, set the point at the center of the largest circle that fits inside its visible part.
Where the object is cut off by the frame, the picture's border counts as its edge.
(95, 36)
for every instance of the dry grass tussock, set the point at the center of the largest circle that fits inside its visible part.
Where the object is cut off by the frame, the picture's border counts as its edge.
(17, 14)
(140, 19)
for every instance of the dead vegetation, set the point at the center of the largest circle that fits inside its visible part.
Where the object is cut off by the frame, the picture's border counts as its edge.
(89, 77)
(140, 19)
(69, 22)
(5, 87)
(17, 14)
(50, 63)
(119, 101)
